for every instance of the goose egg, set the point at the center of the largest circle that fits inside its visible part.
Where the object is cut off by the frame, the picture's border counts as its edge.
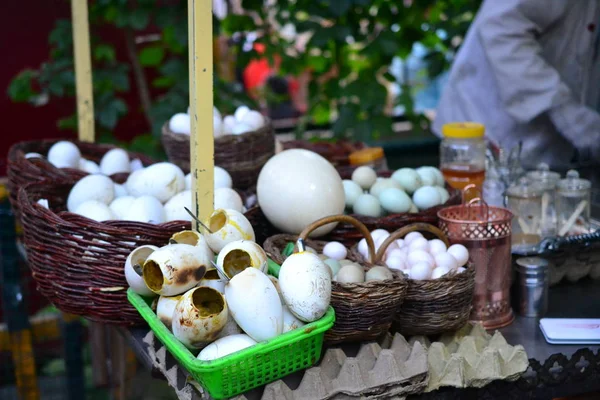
(136, 165)
(378, 274)
(222, 178)
(426, 197)
(352, 191)
(436, 246)
(121, 205)
(428, 177)
(363, 248)
(217, 126)
(377, 233)
(408, 178)
(420, 256)
(89, 166)
(225, 346)
(228, 123)
(394, 200)
(383, 184)
(162, 181)
(64, 154)
(335, 250)
(120, 190)
(115, 161)
(446, 260)
(351, 273)
(95, 210)
(334, 265)
(439, 272)
(91, 187)
(396, 263)
(444, 195)
(146, 209)
(227, 198)
(419, 244)
(240, 112)
(367, 205)
(227, 226)
(253, 119)
(180, 123)
(420, 271)
(364, 176)
(459, 252)
(290, 321)
(174, 208)
(411, 236)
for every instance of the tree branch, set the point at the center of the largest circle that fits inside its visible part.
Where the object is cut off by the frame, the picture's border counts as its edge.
(139, 75)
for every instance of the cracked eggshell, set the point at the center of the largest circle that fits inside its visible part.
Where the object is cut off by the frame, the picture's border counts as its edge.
(121, 205)
(200, 315)
(175, 207)
(165, 308)
(239, 255)
(305, 283)
(227, 226)
(146, 209)
(162, 180)
(137, 257)
(175, 268)
(213, 280)
(225, 346)
(254, 303)
(228, 198)
(193, 238)
(290, 322)
(64, 154)
(115, 161)
(91, 187)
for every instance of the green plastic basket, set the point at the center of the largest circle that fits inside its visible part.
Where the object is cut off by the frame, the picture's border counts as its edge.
(249, 368)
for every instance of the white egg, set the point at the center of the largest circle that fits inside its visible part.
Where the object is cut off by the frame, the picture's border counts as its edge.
(400, 243)
(146, 209)
(439, 272)
(383, 184)
(91, 187)
(225, 346)
(95, 210)
(380, 241)
(351, 273)
(135, 281)
(460, 270)
(408, 179)
(428, 177)
(398, 253)
(217, 126)
(367, 205)
(44, 203)
(394, 200)
(89, 166)
(419, 244)
(240, 112)
(420, 271)
(436, 246)
(222, 178)
(334, 265)
(290, 321)
(253, 119)
(115, 161)
(411, 236)
(175, 207)
(459, 252)
(228, 123)
(352, 191)
(120, 190)
(364, 177)
(64, 154)
(426, 197)
(180, 123)
(377, 233)
(136, 165)
(188, 181)
(439, 177)
(216, 112)
(165, 308)
(335, 250)
(254, 304)
(228, 198)
(363, 248)
(33, 155)
(444, 195)
(420, 256)
(378, 274)
(121, 205)
(396, 263)
(446, 260)
(162, 181)
(240, 128)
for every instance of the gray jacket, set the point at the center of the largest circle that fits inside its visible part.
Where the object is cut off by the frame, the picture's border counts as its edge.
(530, 71)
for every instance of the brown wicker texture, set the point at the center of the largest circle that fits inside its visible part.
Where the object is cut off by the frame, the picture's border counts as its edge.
(243, 156)
(22, 171)
(432, 306)
(363, 311)
(77, 262)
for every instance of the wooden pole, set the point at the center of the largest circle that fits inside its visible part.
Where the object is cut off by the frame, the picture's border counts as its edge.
(83, 70)
(201, 106)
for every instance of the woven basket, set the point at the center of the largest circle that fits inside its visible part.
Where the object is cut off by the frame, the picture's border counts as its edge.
(243, 156)
(22, 171)
(77, 262)
(432, 306)
(363, 311)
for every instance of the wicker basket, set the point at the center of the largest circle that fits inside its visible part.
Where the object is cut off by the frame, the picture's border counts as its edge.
(22, 171)
(432, 306)
(363, 311)
(243, 156)
(77, 262)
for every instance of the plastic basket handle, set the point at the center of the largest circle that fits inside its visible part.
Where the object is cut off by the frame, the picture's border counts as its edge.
(342, 218)
(400, 233)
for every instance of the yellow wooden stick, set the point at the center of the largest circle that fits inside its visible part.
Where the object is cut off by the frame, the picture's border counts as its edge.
(201, 106)
(83, 70)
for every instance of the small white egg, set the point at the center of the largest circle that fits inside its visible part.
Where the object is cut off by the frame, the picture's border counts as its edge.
(460, 270)
(428, 177)
(120, 190)
(378, 274)
(335, 250)
(439, 177)
(364, 176)
(379, 232)
(217, 126)
(439, 272)
(398, 253)
(121, 205)
(411, 236)
(240, 128)
(394, 200)
(188, 181)
(146, 209)
(222, 178)
(44, 203)
(380, 241)
(408, 179)
(115, 161)
(95, 210)
(240, 112)
(351, 192)
(175, 207)
(33, 155)
(228, 123)
(216, 112)
(367, 205)
(227, 198)
(253, 119)
(363, 248)
(89, 166)
(420, 256)
(419, 244)
(436, 246)
(459, 252)
(400, 243)
(420, 271)
(446, 260)
(351, 273)
(444, 195)
(91, 187)
(387, 183)
(334, 265)
(180, 123)
(396, 263)
(426, 197)
(64, 154)
(136, 165)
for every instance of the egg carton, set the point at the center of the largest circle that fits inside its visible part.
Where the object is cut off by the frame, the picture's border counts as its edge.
(472, 358)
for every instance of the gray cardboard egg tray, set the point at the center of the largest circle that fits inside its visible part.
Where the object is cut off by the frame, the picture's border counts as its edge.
(390, 369)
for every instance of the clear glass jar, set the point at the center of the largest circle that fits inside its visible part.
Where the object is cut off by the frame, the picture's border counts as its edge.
(548, 181)
(573, 197)
(462, 154)
(524, 200)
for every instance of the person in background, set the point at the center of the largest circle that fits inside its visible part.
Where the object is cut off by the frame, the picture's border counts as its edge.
(529, 70)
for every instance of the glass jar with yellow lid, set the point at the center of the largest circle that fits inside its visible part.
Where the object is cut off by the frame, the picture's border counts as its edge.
(462, 154)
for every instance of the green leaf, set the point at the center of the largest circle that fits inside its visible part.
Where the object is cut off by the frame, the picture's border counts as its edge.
(68, 123)
(346, 119)
(321, 37)
(104, 52)
(387, 43)
(139, 18)
(341, 32)
(163, 82)
(237, 23)
(339, 7)
(151, 56)
(21, 88)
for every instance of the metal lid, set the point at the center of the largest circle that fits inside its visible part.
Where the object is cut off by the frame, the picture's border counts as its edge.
(532, 264)
(525, 188)
(543, 174)
(573, 183)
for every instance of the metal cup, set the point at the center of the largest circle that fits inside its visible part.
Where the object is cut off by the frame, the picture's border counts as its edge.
(533, 278)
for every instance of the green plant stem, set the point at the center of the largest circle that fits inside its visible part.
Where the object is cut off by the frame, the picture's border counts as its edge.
(139, 76)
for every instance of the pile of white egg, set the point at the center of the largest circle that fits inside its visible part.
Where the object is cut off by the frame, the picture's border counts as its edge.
(243, 120)
(224, 307)
(417, 257)
(368, 195)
